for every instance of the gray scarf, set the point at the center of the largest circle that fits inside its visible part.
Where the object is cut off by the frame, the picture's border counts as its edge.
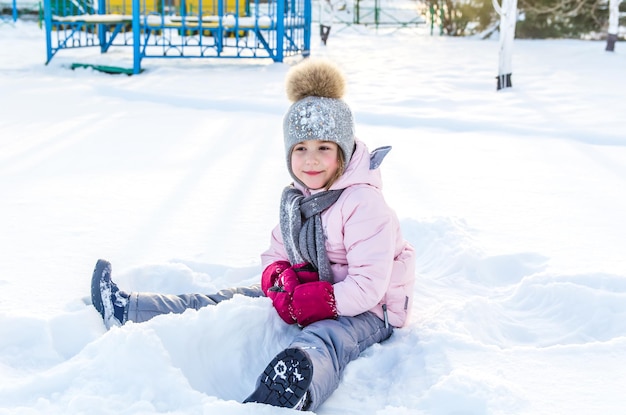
(301, 227)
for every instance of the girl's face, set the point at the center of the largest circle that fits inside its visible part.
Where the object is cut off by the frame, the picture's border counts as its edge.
(315, 162)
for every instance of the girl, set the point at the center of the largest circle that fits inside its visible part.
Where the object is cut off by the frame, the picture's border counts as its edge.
(337, 264)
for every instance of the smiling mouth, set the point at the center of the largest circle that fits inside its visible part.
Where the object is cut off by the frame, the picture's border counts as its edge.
(312, 173)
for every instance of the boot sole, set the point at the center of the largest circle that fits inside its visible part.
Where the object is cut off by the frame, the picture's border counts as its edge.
(285, 380)
(102, 267)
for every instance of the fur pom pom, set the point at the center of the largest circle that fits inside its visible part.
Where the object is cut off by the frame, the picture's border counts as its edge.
(319, 78)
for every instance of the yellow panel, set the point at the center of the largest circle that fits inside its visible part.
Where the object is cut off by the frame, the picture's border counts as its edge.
(126, 6)
(210, 7)
(120, 7)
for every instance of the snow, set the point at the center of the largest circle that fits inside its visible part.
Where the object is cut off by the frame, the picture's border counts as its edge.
(514, 201)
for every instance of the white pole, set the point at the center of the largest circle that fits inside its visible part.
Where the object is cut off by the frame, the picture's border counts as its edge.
(508, 18)
(613, 24)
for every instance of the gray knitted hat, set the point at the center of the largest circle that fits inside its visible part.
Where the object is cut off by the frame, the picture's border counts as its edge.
(316, 88)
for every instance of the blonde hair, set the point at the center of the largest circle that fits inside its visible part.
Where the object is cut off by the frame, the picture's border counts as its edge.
(341, 158)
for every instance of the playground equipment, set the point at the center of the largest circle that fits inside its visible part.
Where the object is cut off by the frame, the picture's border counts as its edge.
(379, 13)
(271, 29)
(4, 11)
(375, 13)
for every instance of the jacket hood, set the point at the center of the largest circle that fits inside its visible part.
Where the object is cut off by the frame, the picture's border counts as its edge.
(362, 169)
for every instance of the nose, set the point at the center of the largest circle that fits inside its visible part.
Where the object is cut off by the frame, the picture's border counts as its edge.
(311, 158)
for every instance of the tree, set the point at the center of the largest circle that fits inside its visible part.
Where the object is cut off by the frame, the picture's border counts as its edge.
(613, 24)
(561, 18)
(508, 18)
(536, 19)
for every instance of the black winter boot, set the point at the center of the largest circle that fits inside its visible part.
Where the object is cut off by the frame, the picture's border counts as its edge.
(285, 381)
(106, 297)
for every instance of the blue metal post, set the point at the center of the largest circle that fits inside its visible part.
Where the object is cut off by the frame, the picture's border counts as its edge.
(47, 17)
(136, 39)
(280, 30)
(308, 13)
(14, 11)
(101, 29)
(221, 34)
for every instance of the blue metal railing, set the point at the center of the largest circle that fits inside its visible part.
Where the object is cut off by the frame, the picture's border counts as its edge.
(161, 29)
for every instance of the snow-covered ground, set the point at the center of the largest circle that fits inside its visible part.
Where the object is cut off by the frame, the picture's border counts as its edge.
(515, 201)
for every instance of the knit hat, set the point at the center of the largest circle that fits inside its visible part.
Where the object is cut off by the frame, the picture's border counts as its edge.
(316, 88)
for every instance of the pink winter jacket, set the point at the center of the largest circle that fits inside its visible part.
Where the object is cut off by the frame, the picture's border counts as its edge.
(372, 264)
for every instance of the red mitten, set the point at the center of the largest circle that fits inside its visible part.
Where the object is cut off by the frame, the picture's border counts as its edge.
(306, 272)
(280, 293)
(313, 302)
(282, 303)
(271, 273)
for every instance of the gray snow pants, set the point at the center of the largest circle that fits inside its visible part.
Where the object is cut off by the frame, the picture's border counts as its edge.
(331, 344)
(144, 306)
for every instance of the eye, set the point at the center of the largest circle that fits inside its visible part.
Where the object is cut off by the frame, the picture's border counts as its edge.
(299, 148)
